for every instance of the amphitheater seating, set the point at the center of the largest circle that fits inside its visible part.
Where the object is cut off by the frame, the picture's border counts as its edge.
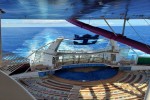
(127, 86)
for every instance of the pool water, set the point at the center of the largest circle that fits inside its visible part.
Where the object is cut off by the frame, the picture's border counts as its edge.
(87, 73)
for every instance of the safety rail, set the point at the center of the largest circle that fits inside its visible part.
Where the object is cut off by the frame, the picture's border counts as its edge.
(67, 58)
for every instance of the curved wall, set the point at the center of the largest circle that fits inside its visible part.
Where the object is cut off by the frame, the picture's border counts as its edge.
(11, 90)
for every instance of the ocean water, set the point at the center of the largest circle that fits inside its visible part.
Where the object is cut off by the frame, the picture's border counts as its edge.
(23, 40)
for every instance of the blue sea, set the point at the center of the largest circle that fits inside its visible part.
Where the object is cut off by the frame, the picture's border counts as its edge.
(23, 40)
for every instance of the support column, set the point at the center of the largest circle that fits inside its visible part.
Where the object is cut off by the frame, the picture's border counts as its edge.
(125, 18)
(0, 43)
(1, 12)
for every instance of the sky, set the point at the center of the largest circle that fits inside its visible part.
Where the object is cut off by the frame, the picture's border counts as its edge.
(64, 23)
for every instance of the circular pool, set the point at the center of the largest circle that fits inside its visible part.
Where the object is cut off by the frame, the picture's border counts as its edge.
(86, 72)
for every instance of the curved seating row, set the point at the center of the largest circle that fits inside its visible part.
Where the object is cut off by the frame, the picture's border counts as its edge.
(129, 86)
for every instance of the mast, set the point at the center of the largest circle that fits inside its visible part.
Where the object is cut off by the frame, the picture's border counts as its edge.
(118, 37)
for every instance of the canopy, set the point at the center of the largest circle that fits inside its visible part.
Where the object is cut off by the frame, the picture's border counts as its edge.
(82, 9)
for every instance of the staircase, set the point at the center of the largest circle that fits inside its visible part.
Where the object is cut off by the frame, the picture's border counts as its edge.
(74, 93)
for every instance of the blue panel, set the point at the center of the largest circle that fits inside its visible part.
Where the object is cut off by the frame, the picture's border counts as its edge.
(83, 65)
(42, 74)
(45, 73)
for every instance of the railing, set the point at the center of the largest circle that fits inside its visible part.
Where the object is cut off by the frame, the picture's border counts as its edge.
(76, 59)
(38, 53)
(66, 57)
(104, 57)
